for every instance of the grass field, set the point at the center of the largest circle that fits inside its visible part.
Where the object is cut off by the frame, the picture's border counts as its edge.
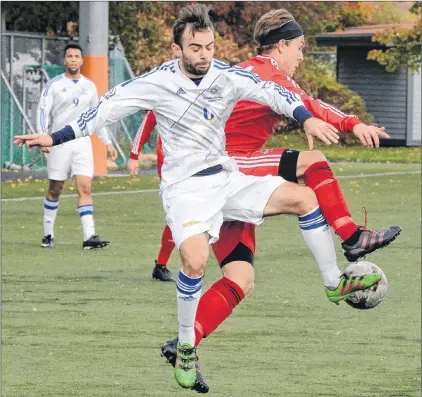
(78, 323)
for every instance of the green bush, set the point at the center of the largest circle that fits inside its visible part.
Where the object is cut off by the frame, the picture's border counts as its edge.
(319, 82)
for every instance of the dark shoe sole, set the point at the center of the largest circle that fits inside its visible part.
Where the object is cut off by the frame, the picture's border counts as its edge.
(160, 279)
(170, 357)
(89, 247)
(355, 255)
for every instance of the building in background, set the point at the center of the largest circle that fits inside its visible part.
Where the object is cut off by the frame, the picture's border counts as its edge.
(393, 99)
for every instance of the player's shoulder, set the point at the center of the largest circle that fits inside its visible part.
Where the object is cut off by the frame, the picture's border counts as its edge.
(265, 67)
(234, 70)
(168, 66)
(157, 75)
(53, 82)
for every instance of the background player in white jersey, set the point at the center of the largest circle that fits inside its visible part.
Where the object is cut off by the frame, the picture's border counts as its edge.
(63, 99)
(192, 97)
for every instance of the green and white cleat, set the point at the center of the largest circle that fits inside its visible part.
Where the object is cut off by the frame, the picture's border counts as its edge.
(350, 284)
(184, 370)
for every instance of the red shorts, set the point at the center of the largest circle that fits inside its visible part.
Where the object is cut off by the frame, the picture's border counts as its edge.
(259, 163)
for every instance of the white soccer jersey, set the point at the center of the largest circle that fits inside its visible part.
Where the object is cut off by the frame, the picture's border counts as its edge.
(63, 100)
(190, 118)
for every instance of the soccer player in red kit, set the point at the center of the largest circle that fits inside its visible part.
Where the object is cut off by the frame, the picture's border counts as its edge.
(250, 125)
(160, 271)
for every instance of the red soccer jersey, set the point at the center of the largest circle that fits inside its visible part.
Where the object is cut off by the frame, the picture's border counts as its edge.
(251, 124)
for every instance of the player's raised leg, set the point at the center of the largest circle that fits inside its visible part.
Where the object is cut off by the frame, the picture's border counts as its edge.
(86, 212)
(357, 241)
(51, 206)
(160, 271)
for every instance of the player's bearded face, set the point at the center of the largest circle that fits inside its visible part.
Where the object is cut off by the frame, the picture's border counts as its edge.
(197, 52)
(73, 61)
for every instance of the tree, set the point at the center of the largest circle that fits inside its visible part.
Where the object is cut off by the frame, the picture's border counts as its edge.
(405, 50)
(45, 17)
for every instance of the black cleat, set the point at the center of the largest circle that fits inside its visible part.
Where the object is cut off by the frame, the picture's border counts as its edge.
(94, 242)
(160, 272)
(169, 351)
(369, 241)
(47, 242)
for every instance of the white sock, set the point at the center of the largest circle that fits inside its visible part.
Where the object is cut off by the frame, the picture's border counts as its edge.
(50, 212)
(318, 238)
(86, 212)
(188, 294)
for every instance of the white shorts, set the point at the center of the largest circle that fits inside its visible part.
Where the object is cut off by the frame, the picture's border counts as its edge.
(71, 158)
(201, 203)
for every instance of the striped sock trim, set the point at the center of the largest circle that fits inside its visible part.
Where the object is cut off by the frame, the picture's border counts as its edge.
(86, 210)
(312, 220)
(187, 285)
(50, 204)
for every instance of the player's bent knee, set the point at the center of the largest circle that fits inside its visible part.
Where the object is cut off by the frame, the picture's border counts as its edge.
(308, 201)
(54, 189)
(306, 159)
(84, 190)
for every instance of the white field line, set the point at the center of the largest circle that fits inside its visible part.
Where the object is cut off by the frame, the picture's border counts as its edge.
(122, 192)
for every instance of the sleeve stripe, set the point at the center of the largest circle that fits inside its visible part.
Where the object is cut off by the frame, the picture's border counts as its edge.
(333, 109)
(42, 121)
(50, 83)
(245, 73)
(87, 116)
(135, 145)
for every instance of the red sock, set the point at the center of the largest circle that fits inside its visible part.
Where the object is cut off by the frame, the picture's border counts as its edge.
(167, 246)
(320, 179)
(215, 306)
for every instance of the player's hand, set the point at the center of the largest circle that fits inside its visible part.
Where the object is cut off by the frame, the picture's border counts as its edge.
(43, 140)
(318, 128)
(369, 135)
(133, 167)
(112, 152)
(46, 149)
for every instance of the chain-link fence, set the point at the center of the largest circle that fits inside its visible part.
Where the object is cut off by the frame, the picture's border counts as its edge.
(27, 62)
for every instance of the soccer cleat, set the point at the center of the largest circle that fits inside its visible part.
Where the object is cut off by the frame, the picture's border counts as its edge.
(169, 351)
(47, 242)
(350, 284)
(369, 241)
(94, 242)
(184, 370)
(160, 272)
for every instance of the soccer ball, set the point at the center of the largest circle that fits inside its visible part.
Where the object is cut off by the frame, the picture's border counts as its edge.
(370, 297)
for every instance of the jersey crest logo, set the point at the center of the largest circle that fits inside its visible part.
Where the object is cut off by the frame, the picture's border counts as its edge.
(75, 101)
(110, 93)
(208, 115)
(212, 95)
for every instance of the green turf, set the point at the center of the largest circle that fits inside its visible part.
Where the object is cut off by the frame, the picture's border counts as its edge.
(78, 323)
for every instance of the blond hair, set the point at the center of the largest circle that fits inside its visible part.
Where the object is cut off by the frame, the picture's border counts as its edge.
(268, 22)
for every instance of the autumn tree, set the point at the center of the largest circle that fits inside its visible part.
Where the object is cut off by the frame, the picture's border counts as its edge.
(403, 46)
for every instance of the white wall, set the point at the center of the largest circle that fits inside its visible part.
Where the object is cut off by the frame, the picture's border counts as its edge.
(414, 109)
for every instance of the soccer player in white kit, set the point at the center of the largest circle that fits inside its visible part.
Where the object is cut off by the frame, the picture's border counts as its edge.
(63, 99)
(192, 97)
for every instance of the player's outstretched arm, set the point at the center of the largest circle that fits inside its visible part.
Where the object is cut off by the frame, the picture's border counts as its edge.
(369, 135)
(43, 140)
(326, 132)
